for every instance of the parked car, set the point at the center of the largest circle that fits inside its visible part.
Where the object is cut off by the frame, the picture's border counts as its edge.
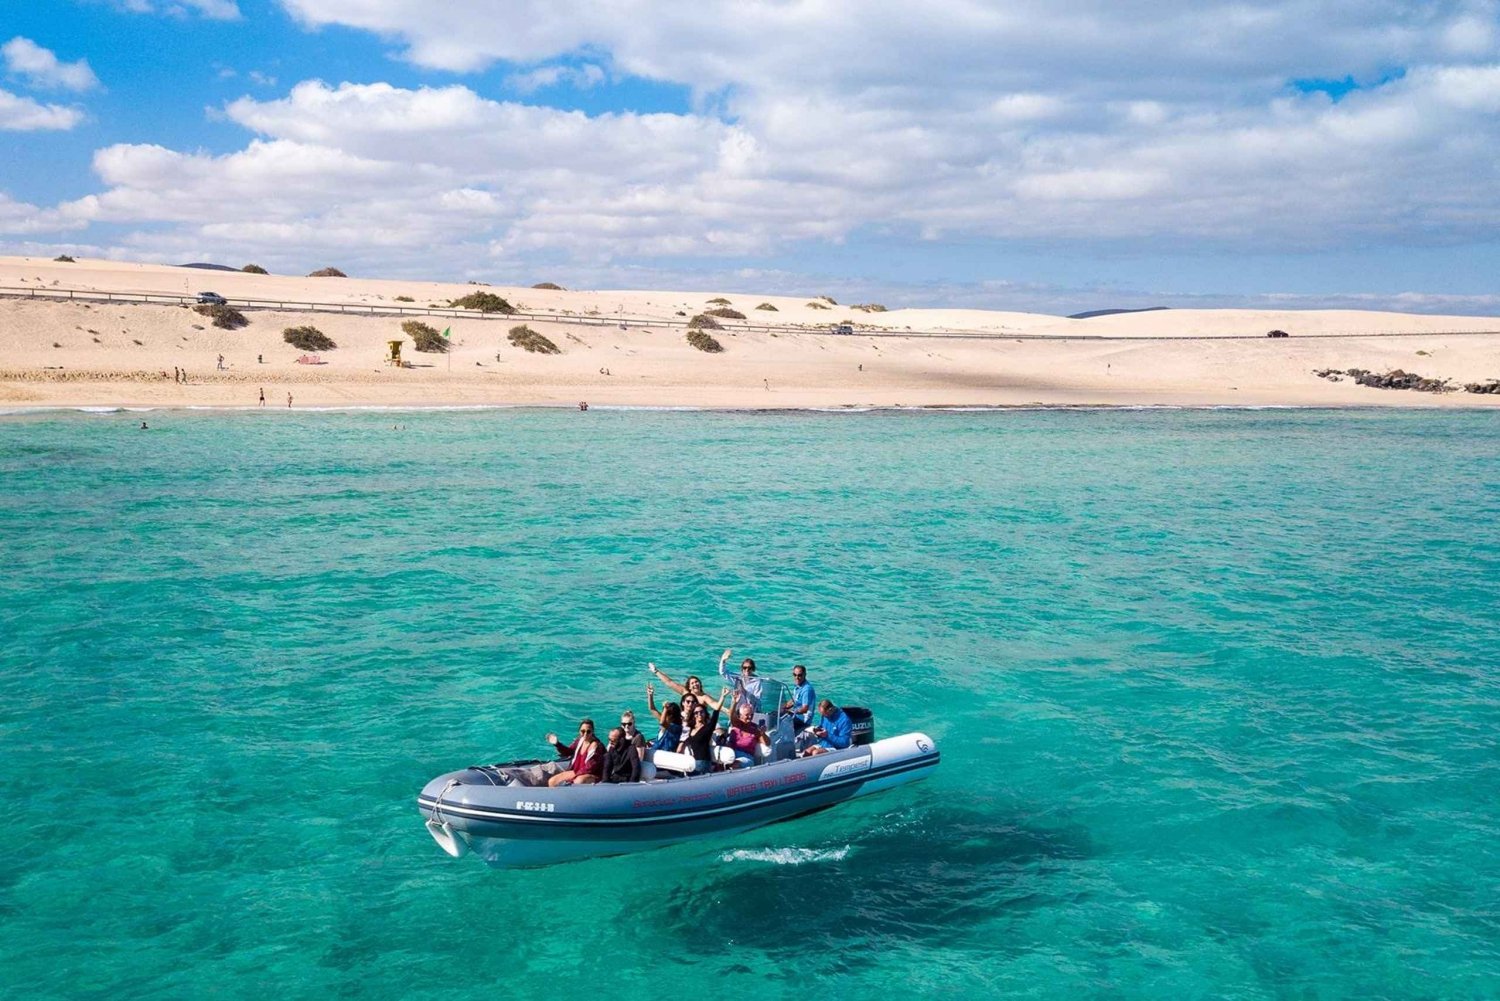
(212, 299)
(844, 328)
(1277, 333)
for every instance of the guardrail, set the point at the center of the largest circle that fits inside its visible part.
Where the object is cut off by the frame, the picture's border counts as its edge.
(628, 320)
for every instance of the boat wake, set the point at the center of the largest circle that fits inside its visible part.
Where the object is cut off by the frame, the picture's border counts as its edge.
(786, 856)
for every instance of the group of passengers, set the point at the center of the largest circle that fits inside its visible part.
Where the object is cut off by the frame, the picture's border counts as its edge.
(690, 726)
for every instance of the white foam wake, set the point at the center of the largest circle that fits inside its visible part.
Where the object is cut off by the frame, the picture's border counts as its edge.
(786, 856)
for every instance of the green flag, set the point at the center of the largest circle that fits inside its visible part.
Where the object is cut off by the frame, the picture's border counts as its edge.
(445, 332)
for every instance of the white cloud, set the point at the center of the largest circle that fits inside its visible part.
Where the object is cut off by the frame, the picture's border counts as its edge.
(218, 10)
(40, 67)
(20, 218)
(22, 114)
(582, 77)
(1061, 123)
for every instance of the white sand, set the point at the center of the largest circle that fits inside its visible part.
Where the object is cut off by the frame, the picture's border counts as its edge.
(59, 353)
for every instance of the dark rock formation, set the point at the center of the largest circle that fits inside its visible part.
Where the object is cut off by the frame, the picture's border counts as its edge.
(1394, 379)
(1488, 388)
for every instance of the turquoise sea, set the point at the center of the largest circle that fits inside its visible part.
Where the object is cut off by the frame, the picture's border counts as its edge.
(1218, 694)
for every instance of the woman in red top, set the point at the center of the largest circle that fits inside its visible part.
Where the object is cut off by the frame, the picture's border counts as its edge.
(587, 754)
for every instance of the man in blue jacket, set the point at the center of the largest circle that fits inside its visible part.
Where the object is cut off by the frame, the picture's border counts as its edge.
(834, 732)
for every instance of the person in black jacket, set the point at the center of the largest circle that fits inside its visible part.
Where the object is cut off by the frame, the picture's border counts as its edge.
(621, 762)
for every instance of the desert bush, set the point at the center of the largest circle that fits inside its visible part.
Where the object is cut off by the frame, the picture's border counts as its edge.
(485, 302)
(726, 313)
(64, 259)
(551, 287)
(224, 317)
(425, 337)
(704, 342)
(327, 273)
(719, 302)
(869, 307)
(524, 337)
(254, 269)
(308, 339)
(829, 299)
(768, 307)
(817, 305)
(704, 322)
(405, 298)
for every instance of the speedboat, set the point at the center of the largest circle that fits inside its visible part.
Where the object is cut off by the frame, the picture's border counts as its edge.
(508, 816)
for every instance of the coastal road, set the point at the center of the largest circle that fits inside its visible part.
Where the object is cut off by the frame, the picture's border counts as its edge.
(642, 322)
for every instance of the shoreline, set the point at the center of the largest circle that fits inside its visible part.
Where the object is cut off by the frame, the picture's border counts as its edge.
(103, 410)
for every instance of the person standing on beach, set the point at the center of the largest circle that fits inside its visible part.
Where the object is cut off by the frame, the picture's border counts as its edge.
(263, 396)
(289, 401)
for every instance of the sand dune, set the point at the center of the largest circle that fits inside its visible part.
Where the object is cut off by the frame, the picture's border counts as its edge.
(62, 353)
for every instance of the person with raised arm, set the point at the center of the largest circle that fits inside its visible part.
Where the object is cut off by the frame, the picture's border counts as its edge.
(747, 687)
(692, 685)
(587, 755)
(669, 718)
(698, 731)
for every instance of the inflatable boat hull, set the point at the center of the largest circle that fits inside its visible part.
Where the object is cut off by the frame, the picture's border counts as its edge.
(516, 825)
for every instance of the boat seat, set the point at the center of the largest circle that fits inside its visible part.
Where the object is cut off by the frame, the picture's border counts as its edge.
(671, 761)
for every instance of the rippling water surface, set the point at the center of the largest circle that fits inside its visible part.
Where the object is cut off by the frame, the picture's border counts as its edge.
(1217, 694)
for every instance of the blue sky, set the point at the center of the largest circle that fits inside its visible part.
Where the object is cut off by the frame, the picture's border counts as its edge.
(1056, 156)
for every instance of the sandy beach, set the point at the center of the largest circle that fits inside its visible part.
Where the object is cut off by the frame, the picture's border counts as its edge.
(630, 348)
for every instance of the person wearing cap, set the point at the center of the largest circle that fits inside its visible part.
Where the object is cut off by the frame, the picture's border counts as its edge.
(622, 763)
(747, 687)
(834, 732)
(804, 699)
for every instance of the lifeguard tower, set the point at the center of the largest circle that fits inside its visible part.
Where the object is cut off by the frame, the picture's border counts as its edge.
(394, 357)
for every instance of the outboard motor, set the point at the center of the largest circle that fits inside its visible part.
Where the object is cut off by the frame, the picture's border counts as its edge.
(861, 725)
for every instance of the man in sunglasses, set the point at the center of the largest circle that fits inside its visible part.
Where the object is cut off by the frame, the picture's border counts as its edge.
(621, 762)
(587, 754)
(804, 699)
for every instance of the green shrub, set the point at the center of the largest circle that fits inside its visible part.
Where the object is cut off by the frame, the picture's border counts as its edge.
(308, 339)
(549, 286)
(524, 337)
(704, 342)
(719, 302)
(829, 299)
(327, 273)
(817, 305)
(64, 259)
(869, 307)
(254, 269)
(767, 306)
(426, 338)
(726, 313)
(485, 302)
(224, 317)
(703, 322)
(405, 298)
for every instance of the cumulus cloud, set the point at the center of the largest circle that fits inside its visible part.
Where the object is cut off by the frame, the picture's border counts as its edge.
(22, 114)
(41, 68)
(21, 218)
(1061, 123)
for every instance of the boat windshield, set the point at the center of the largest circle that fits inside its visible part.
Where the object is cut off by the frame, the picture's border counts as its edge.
(773, 696)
